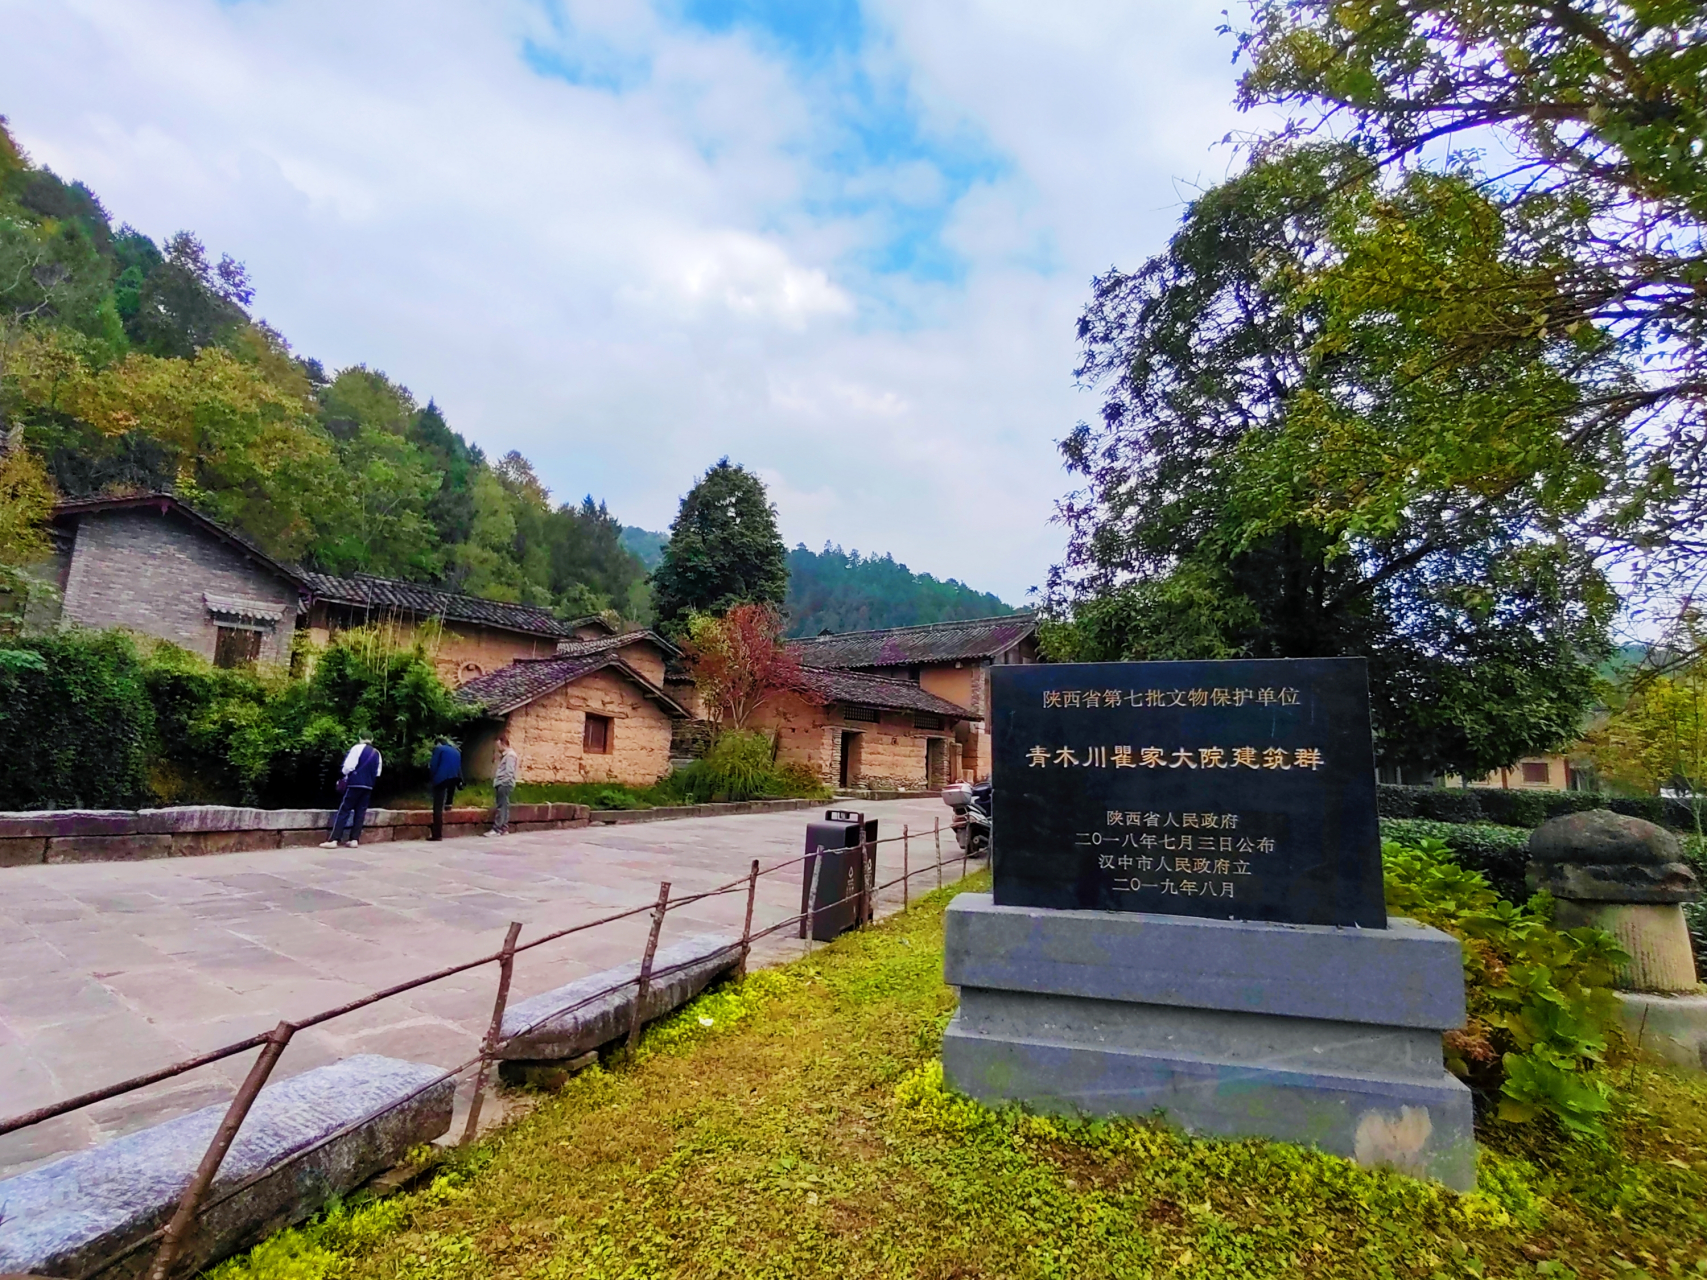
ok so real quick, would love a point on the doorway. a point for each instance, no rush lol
(936, 763)
(849, 773)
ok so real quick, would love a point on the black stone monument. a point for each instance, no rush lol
(1240, 790)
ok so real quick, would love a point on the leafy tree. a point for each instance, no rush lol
(451, 509)
(740, 663)
(1656, 733)
(187, 303)
(587, 552)
(484, 564)
(724, 549)
(1269, 478)
(1589, 125)
(361, 397)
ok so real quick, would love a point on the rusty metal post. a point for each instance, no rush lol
(506, 966)
(747, 928)
(646, 964)
(936, 830)
(810, 921)
(906, 862)
(184, 1219)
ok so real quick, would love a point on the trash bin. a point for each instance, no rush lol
(844, 843)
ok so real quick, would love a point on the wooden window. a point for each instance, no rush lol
(924, 720)
(1537, 771)
(862, 715)
(236, 647)
(595, 735)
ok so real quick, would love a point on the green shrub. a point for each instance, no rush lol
(76, 724)
(1667, 811)
(192, 761)
(1539, 999)
(739, 766)
(1450, 804)
(1394, 801)
(1521, 807)
(1514, 808)
(1500, 854)
(87, 721)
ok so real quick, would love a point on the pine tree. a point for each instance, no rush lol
(724, 550)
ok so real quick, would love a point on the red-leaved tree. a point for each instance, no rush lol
(740, 663)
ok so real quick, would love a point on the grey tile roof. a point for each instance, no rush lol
(969, 640)
(864, 690)
(527, 679)
(610, 644)
(388, 594)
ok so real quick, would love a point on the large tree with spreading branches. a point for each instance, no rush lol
(1271, 477)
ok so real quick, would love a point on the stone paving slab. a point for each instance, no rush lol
(111, 969)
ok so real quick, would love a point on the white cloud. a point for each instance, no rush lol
(685, 256)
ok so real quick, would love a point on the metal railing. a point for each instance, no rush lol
(273, 1043)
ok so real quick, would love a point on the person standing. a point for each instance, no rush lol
(503, 782)
(362, 767)
(445, 775)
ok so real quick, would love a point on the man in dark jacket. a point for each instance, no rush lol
(361, 770)
(445, 770)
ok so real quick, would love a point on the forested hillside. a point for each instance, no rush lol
(129, 365)
(645, 544)
(845, 591)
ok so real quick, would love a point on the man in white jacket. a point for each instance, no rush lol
(362, 767)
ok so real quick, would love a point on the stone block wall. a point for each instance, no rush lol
(124, 835)
(149, 571)
(547, 734)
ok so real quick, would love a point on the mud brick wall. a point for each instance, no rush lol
(547, 734)
(812, 735)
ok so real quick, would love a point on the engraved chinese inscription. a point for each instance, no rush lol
(1241, 790)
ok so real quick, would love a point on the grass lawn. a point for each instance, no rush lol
(795, 1125)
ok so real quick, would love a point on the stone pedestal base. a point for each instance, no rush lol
(1653, 933)
(1301, 1033)
(1672, 1026)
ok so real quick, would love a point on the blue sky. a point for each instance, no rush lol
(843, 243)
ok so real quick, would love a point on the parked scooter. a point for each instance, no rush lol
(972, 813)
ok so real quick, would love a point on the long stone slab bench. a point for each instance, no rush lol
(307, 1140)
(123, 835)
(576, 1019)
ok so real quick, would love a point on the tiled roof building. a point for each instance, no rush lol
(473, 636)
(971, 640)
(594, 711)
(365, 593)
(950, 660)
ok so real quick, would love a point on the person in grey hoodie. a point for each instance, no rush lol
(503, 782)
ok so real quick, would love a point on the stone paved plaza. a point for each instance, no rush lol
(108, 970)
